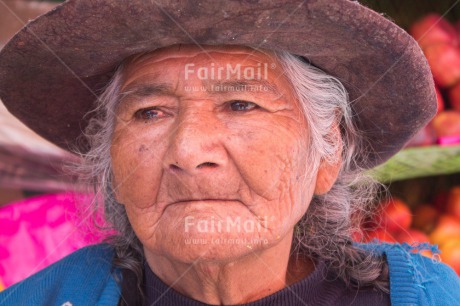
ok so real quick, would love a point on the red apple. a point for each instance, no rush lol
(412, 236)
(382, 235)
(448, 228)
(453, 202)
(447, 123)
(439, 99)
(396, 215)
(425, 218)
(432, 29)
(450, 254)
(457, 28)
(454, 96)
(444, 60)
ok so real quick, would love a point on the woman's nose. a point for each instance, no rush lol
(195, 144)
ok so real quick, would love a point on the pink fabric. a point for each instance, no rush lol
(38, 231)
(449, 140)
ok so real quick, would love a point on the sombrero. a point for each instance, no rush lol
(53, 69)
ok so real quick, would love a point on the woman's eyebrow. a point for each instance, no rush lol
(255, 86)
(146, 90)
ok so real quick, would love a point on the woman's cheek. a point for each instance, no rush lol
(129, 168)
(121, 163)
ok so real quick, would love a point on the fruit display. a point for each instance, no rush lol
(424, 177)
(440, 42)
(435, 223)
(435, 149)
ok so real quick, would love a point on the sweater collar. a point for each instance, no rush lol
(295, 294)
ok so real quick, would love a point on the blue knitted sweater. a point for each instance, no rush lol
(86, 278)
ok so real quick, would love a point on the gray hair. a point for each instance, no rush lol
(327, 228)
(324, 232)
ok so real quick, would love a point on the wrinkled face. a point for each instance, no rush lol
(208, 158)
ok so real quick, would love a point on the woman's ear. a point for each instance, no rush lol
(327, 175)
(328, 172)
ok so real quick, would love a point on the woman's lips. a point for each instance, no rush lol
(206, 201)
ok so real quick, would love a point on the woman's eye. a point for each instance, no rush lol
(150, 113)
(242, 106)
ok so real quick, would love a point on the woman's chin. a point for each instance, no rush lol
(187, 233)
(215, 246)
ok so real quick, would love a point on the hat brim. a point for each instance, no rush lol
(52, 70)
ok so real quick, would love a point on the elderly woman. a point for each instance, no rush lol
(230, 167)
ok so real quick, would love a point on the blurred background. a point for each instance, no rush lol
(38, 202)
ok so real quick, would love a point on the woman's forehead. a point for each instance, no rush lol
(190, 55)
(206, 64)
(191, 51)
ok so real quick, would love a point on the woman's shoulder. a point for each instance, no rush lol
(439, 283)
(77, 279)
(417, 279)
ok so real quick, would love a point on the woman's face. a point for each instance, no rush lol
(208, 152)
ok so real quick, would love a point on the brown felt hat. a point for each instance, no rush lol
(52, 70)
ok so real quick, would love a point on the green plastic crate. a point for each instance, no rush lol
(419, 162)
